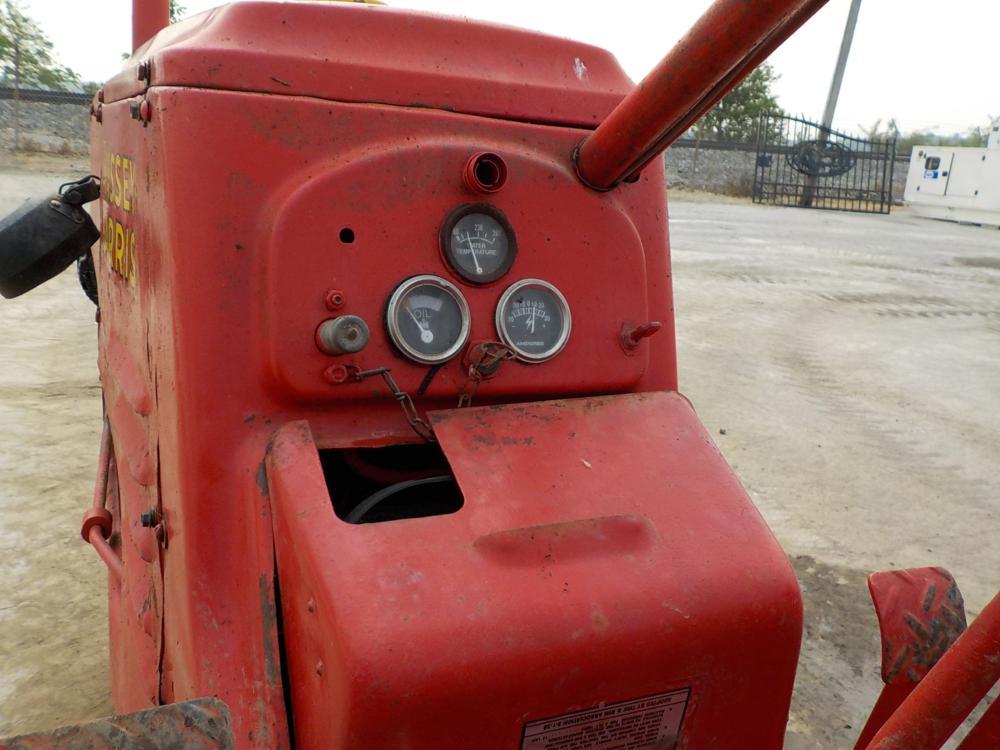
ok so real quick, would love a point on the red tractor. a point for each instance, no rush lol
(393, 456)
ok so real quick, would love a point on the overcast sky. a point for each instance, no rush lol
(929, 65)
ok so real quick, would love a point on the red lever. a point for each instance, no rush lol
(632, 335)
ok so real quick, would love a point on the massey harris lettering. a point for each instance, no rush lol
(118, 192)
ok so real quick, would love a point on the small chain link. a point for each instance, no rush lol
(418, 423)
(485, 360)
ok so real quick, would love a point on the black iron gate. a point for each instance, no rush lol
(800, 163)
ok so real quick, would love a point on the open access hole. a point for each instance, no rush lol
(373, 485)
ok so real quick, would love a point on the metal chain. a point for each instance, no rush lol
(485, 360)
(413, 418)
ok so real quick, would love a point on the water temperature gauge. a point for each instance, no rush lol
(478, 242)
(533, 319)
(428, 319)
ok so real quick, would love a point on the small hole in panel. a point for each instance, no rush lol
(487, 172)
(347, 235)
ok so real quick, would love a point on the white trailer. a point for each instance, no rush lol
(959, 184)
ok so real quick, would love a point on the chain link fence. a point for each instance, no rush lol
(38, 121)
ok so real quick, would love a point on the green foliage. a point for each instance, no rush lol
(879, 131)
(176, 11)
(974, 137)
(735, 117)
(26, 59)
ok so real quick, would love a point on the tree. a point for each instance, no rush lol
(176, 11)
(880, 132)
(735, 117)
(26, 59)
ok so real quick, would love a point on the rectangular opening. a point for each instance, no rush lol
(932, 162)
(374, 485)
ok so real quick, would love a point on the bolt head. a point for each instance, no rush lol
(335, 374)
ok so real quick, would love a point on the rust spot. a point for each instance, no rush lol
(598, 620)
(269, 621)
(262, 480)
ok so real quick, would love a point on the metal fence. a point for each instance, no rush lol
(801, 163)
(40, 121)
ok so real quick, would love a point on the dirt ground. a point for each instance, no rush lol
(848, 365)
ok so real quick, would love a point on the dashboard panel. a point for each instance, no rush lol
(435, 269)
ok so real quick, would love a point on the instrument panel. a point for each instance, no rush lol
(417, 282)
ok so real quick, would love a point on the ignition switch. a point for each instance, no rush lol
(346, 334)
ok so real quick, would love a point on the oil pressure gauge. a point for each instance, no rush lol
(428, 319)
(533, 319)
(478, 242)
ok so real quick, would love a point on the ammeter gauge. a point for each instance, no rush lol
(533, 319)
(428, 319)
(478, 242)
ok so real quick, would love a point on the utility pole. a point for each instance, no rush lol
(838, 72)
(17, 89)
(831, 99)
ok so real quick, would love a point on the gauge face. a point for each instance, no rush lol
(428, 319)
(533, 319)
(478, 243)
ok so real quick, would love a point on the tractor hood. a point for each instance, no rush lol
(352, 52)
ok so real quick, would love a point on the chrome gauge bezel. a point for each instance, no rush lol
(392, 322)
(506, 338)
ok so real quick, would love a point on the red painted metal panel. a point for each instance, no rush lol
(727, 42)
(337, 51)
(563, 583)
(196, 310)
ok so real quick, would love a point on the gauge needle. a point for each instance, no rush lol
(426, 334)
(531, 322)
(468, 238)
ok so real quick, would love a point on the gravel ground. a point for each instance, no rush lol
(849, 366)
